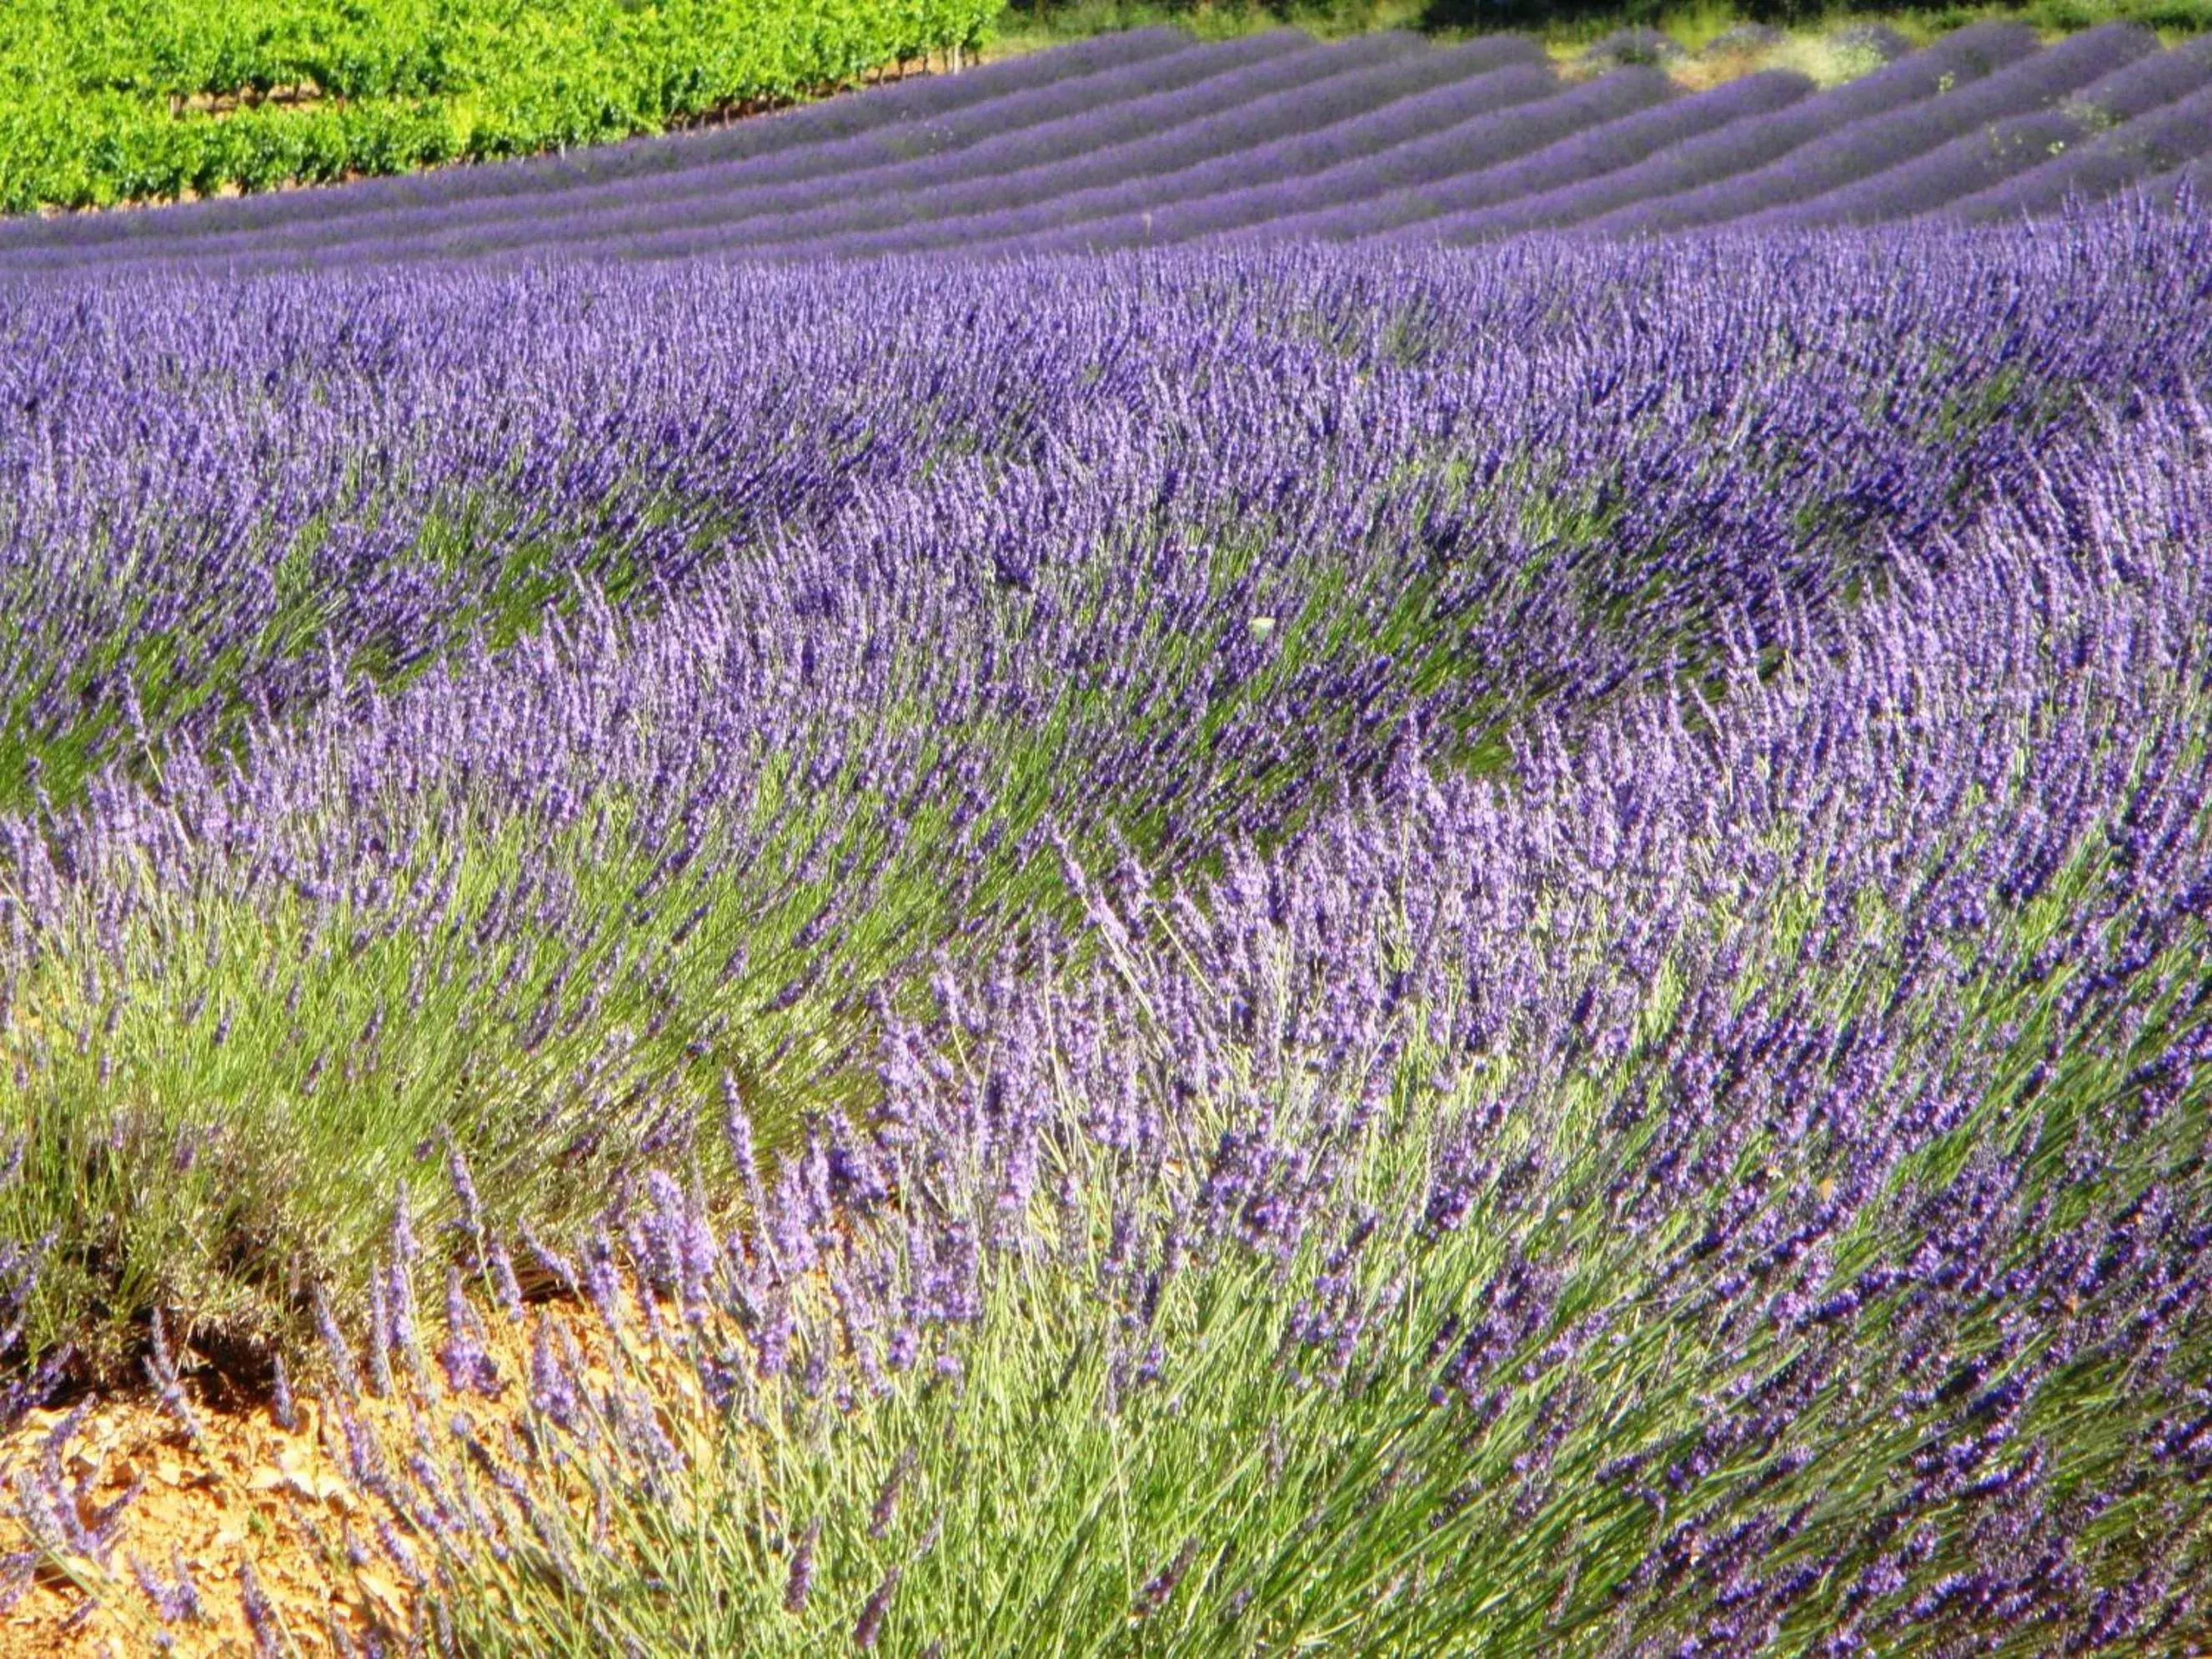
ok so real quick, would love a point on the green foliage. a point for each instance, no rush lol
(146, 99)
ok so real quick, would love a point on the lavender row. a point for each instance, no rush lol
(1366, 70)
(1958, 56)
(1707, 163)
(308, 533)
(1871, 145)
(217, 507)
(1394, 100)
(1611, 142)
(1276, 137)
(224, 502)
(1976, 160)
(2099, 165)
(1860, 121)
(727, 202)
(1187, 204)
(795, 174)
(1856, 145)
(1738, 1184)
(1867, 125)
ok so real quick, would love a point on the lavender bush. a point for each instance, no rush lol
(1238, 949)
(1537, 1215)
(1736, 1184)
(1869, 149)
(544, 892)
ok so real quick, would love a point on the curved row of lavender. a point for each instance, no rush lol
(318, 478)
(1153, 138)
(1731, 1180)
(494, 709)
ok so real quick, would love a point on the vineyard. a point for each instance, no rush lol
(108, 101)
(761, 894)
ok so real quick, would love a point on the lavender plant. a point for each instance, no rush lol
(1251, 949)
(1876, 144)
(2100, 166)
(546, 896)
(1736, 1183)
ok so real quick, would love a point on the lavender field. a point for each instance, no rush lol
(1151, 138)
(1256, 947)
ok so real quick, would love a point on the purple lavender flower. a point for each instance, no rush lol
(800, 1580)
(261, 1615)
(870, 1624)
(1160, 1588)
(176, 1602)
(281, 1404)
(461, 1355)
